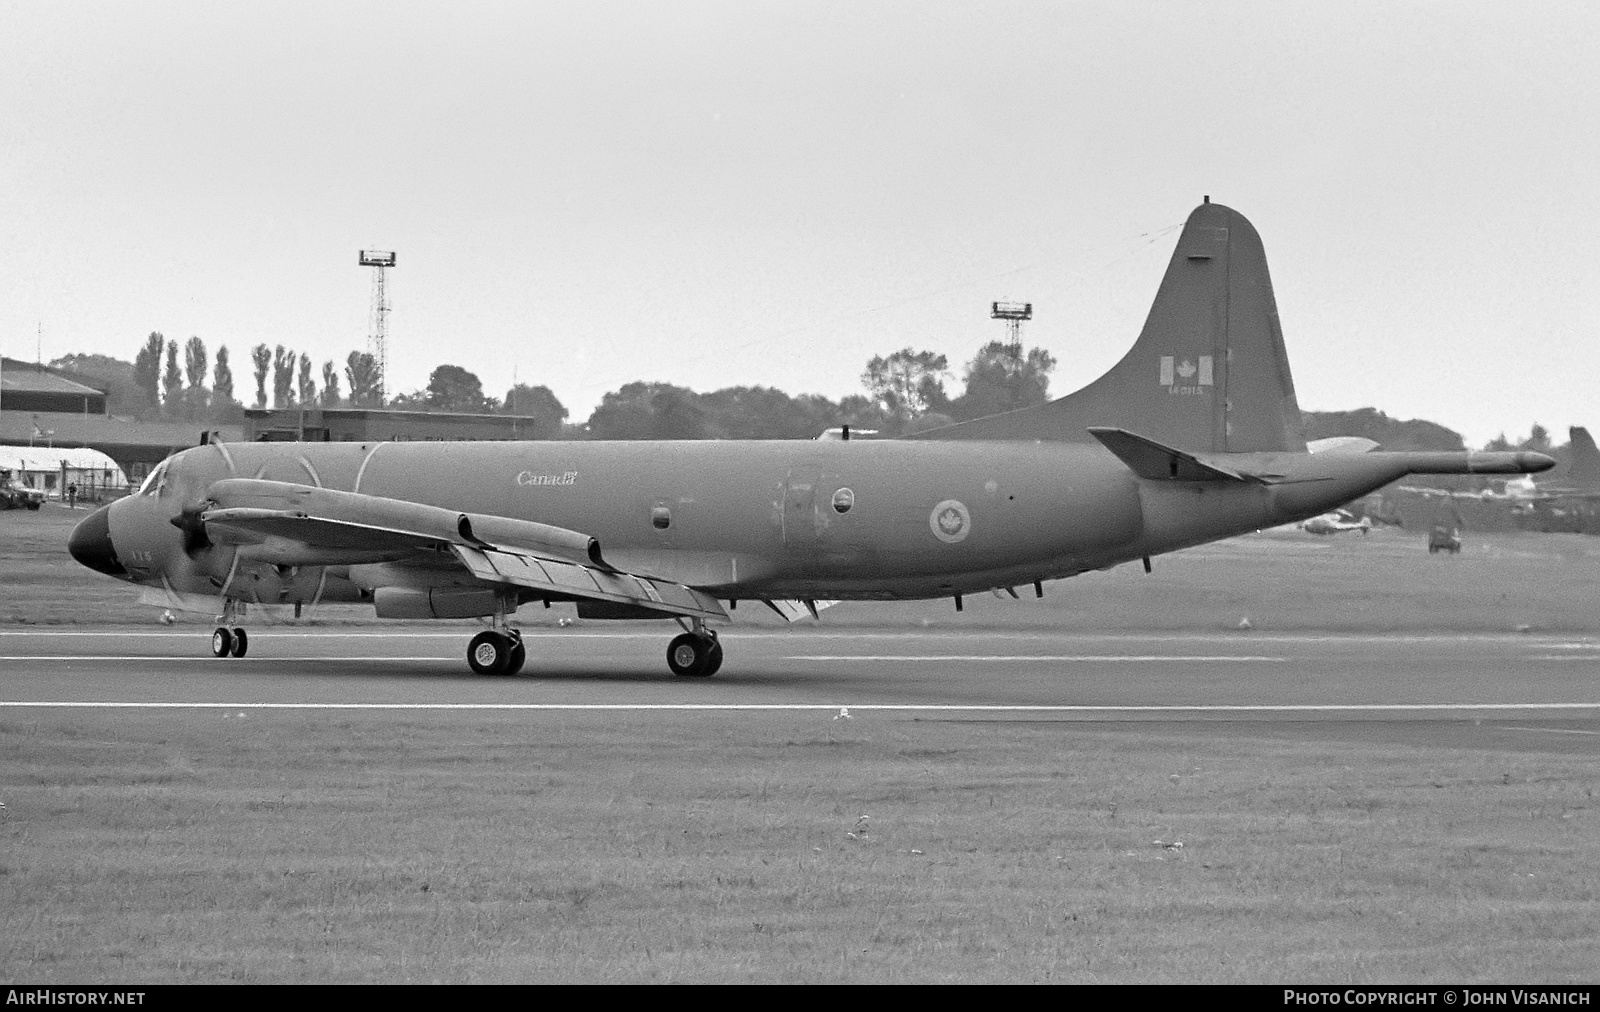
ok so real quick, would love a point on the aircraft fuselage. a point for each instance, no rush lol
(864, 519)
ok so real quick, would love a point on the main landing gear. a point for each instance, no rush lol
(498, 650)
(695, 654)
(227, 642)
(493, 652)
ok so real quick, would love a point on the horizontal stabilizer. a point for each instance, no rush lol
(1149, 459)
(1342, 445)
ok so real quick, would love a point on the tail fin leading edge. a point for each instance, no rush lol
(1208, 373)
(1585, 469)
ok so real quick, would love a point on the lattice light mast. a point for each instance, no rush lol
(378, 326)
(1013, 313)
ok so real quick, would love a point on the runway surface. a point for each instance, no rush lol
(1200, 676)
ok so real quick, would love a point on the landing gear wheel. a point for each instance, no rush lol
(519, 655)
(241, 642)
(489, 653)
(691, 656)
(221, 642)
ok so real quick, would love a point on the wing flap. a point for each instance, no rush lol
(794, 611)
(563, 578)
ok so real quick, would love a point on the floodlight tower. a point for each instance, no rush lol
(378, 327)
(1013, 313)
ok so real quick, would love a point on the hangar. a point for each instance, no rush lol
(46, 409)
(52, 469)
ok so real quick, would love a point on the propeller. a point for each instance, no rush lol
(190, 522)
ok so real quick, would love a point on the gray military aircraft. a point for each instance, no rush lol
(1192, 437)
(1336, 522)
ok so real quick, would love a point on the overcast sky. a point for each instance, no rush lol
(709, 194)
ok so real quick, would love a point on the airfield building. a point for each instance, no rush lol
(376, 425)
(44, 412)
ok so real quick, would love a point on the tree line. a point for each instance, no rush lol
(187, 383)
(906, 392)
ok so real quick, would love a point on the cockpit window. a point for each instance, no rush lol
(152, 484)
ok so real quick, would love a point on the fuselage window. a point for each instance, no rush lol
(660, 517)
(843, 500)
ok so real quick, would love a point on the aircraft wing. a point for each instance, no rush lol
(285, 537)
(286, 524)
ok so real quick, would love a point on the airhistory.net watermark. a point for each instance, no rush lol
(43, 996)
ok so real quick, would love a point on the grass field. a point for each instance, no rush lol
(210, 847)
(303, 847)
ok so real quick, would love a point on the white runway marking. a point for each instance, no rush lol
(808, 633)
(1551, 730)
(130, 658)
(1361, 708)
(1241, 658)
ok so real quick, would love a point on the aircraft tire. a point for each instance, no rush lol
(518, 657)
(489, 653)
(689, 656)
(714, 660)
(241, 642)
(221, 642)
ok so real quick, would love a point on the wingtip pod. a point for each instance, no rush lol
(1208, 373)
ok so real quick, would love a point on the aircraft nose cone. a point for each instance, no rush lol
(91, 544)
(1533, 463)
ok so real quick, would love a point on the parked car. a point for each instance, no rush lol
(1444, 538)
(14, 495)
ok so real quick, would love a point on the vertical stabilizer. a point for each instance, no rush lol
(1208, 373)
(1584, 471)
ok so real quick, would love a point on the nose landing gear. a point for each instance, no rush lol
(227, 642)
